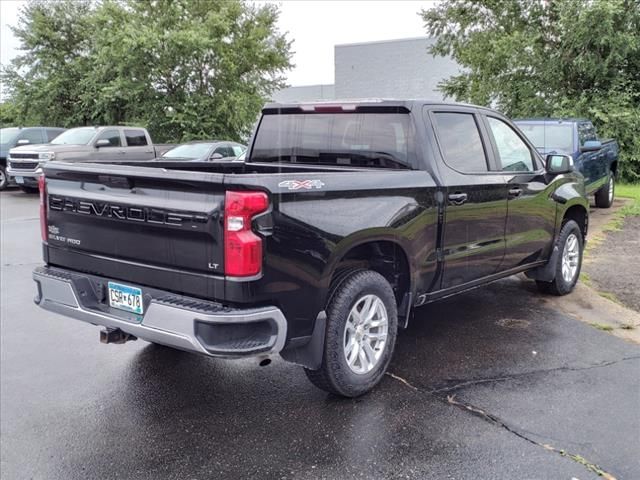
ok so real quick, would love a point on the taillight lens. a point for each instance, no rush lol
(242, 247)
(42, 186)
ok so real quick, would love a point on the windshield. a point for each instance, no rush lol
(549, 137)
(75, 136)
(351, 139)
(190, 150)
(8, 135)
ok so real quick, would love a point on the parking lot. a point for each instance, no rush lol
(491, 384)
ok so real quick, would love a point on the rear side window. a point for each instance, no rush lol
(135, 138)
(460, 142)
(378, 140)
(586, 132)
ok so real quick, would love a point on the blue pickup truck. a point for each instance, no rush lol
(595, 159)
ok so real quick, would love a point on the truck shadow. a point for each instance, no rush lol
(240, 420)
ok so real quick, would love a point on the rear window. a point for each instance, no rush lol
(135, 138)
(549, 137)
(381, 140)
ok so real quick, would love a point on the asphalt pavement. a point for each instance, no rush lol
(493, 384)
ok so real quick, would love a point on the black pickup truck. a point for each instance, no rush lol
(342, 220)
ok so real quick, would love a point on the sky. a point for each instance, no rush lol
(315, 26)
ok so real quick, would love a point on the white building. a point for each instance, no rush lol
(385, 69)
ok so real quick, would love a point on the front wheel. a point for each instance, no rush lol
(362, 323)
(568, 261)
(4, 180)
(604, 196)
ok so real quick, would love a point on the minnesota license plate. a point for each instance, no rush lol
(19, 180)
(126, 298)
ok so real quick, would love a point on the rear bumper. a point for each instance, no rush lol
(172, 320)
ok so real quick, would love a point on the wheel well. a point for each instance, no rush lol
(614, 168)
(578, 214)
(385, 257)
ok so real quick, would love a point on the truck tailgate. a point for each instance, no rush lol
(147, 226)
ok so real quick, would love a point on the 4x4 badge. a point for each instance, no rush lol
(301, 184)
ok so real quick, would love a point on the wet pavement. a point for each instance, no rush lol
(491, 384)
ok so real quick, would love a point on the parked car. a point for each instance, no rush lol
(596, 159)
(204, 151)
(341, 221)
(15, 136)
(98, 144)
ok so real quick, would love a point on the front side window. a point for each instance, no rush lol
(188, 151)
(34, 136)
(113, 136)
(514, 154)
(460, 142)
(135, 138)
(225, 151)
(371, 139)
(238, 150)
(53, 133)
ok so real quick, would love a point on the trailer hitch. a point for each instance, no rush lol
(115, 335)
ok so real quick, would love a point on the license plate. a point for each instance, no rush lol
(126, 298)
(19, 180)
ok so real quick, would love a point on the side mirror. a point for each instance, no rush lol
(591, 146)
(216, 156)
(102, 143)
(557, 164)
(23, 141)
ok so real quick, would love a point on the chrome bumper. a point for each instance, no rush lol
(31, 173)
(172, 320)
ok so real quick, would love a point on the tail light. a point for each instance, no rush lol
(42, 186)
(242, 247)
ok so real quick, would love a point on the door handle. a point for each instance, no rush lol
(515, 192)
(457, 198)
(121, 152)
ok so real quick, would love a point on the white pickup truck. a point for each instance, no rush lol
(110, 144)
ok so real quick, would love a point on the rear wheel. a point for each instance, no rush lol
(568, 262)
(362, 322)
(605, 196)
(29, 189)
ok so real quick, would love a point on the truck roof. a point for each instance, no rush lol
(364, 102)
(551, 120)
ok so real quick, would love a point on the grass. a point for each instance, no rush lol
(629, 191)
(609, 296)
(600, 326)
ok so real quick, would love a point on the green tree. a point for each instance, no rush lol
(184, 68)
(547, 58)
(44, 82)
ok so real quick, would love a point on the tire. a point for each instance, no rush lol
(563, 283)
(370, 354)
(30, 190)
(605, 196)
(4, 180)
